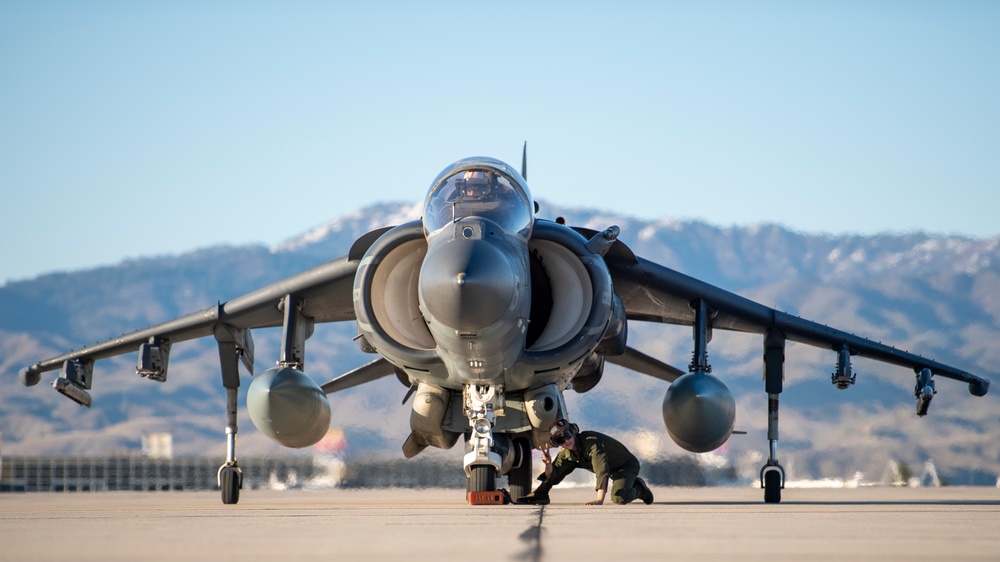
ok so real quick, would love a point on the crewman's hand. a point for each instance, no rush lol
(601, 492)
(547, 461)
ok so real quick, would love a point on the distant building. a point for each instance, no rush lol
(158, 445)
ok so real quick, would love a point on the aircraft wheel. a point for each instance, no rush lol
(520, 477)
(483, 479)
(230, 480)
(772, 486)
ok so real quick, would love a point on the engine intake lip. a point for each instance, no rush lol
(364, 302)
(589, 336)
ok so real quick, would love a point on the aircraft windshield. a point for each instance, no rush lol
(489, 190)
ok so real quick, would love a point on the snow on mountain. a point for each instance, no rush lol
(353, 225)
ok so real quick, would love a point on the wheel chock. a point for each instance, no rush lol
(486, 498)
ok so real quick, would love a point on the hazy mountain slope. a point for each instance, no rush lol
(938, 296)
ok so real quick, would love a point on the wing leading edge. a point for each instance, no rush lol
(324, 294)
(656, 293)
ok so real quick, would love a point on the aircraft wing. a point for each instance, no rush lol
(324, 294)
(652, 292)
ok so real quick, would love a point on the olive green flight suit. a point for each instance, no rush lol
(602, 455)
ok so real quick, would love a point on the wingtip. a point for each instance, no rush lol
(29, 376)
(979, 387)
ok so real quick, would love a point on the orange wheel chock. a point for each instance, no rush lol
(485, 498)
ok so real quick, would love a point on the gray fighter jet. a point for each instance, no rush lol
(488, 315)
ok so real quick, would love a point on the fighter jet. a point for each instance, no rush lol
(488, 315)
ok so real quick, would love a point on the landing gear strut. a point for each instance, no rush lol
(772, 474)
(232, 345)
(482, 462)
(230, 476)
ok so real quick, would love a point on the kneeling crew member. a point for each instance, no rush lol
(598, 453)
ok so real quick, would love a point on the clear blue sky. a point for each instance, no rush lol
(141, 128)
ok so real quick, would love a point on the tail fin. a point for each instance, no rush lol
(524, 169)
(524, 161)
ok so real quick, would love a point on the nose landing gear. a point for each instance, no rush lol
(482, 462)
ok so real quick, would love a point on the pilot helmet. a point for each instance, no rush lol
(476, 184)
(562, 431)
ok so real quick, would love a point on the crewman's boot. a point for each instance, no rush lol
(644, 493)
(535, 498)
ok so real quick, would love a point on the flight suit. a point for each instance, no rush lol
(602, 455)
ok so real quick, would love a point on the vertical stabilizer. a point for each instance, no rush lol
(524, 161)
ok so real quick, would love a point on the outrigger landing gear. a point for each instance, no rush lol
(230, 476)
(772, 474)
(234, 345)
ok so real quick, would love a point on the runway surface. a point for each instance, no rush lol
(950, 523)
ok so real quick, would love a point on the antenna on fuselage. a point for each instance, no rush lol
(524, 161)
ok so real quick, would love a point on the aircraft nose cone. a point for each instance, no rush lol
(467, 285)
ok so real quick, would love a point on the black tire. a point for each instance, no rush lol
(519, 477)
(230, 480)
(483, 479)
(772, 486)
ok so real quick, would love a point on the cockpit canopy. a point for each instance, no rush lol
(480, 187)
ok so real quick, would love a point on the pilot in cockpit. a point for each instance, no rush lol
(478, 192)
(476, 184)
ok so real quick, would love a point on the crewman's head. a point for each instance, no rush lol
(563, 433)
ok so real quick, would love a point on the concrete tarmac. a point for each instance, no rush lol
(951, 523)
